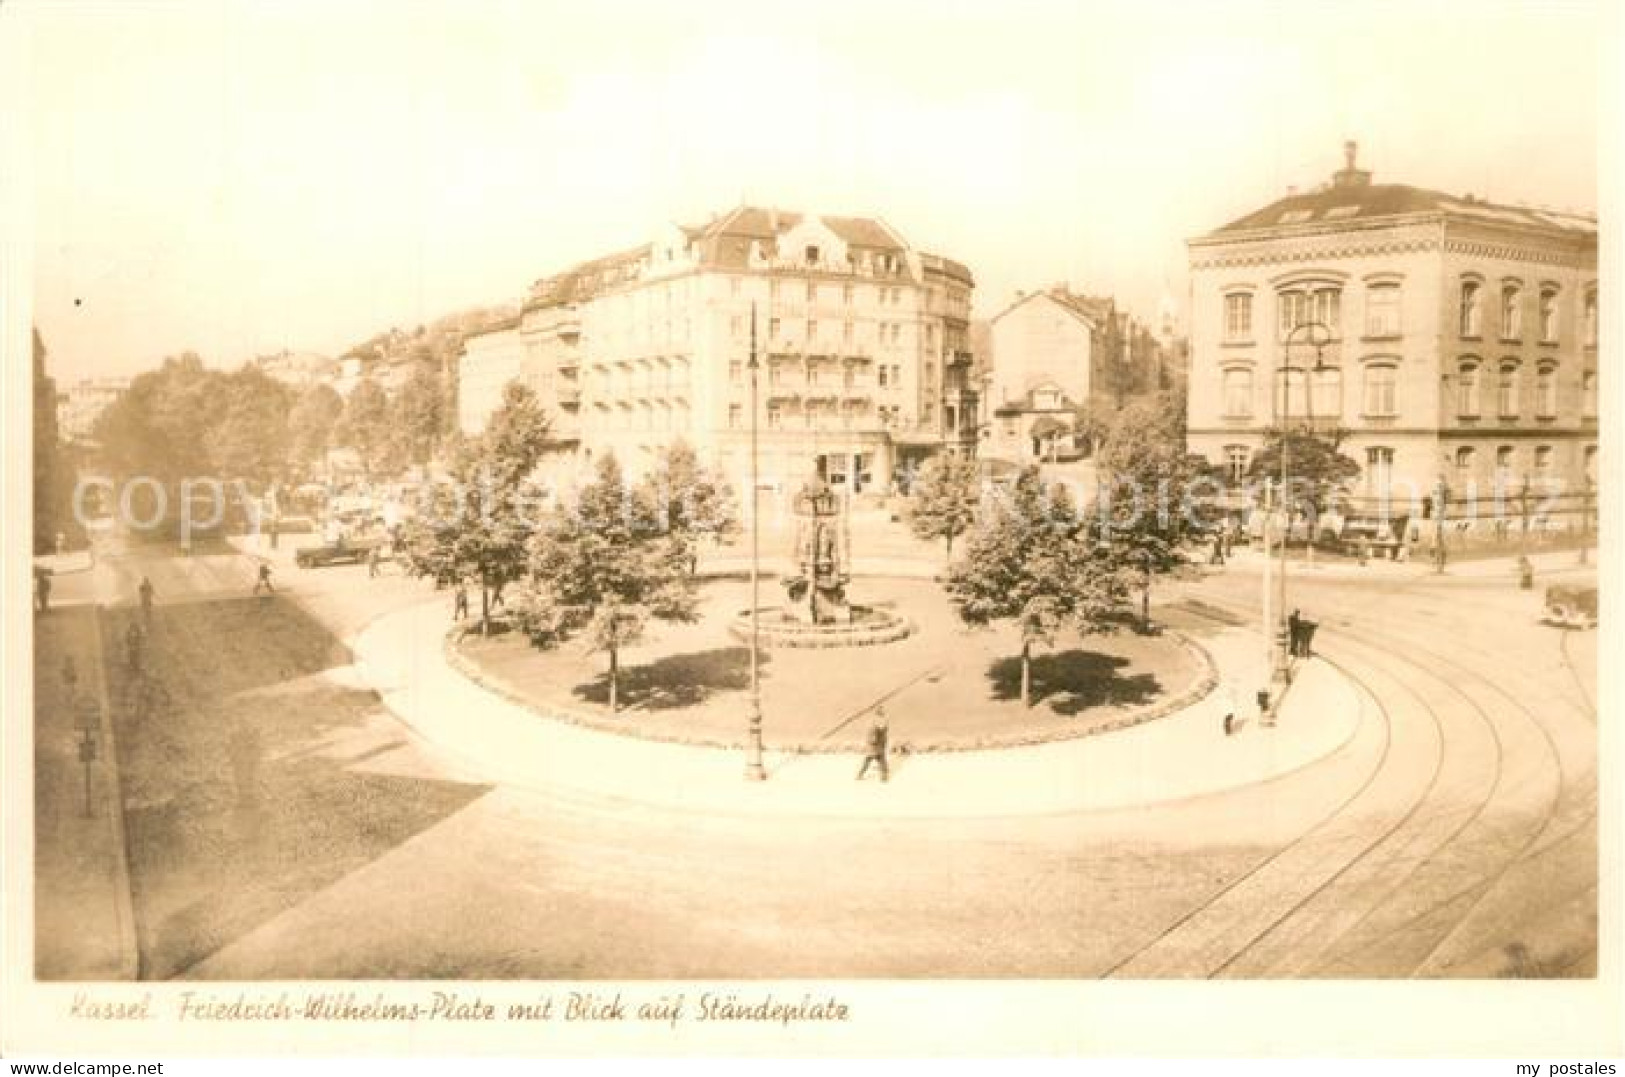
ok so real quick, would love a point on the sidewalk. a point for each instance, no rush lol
(1561, 563)
(84, 926)
(401, 655)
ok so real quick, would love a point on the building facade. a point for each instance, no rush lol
(490, 359)
(1451, 341)
(1051, 352)
(82, 403)
(861, 342)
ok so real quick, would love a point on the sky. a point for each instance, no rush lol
(239, 178)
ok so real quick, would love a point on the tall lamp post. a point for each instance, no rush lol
(1317, 335)
(754, 771)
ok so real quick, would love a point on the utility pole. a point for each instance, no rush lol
(1441, 498)
(754, 770)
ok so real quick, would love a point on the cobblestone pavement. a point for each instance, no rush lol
(1453, 836)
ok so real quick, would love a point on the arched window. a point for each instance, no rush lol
(1506, 391)
(1466, 462)
(1469, 391)
(1591, 464)
(1545, 457)
(1506, 463)
(1548, 314)
(1472, 314)
(1238, 393)
(1309, 303)
(1588, 394)
(1511, 312)
(1546, 391)
(1381, 382)
(1591, 318)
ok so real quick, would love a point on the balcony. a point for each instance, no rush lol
(958, 357)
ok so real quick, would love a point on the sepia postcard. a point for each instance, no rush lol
(857, 529)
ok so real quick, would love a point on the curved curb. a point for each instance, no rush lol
(1206, 681)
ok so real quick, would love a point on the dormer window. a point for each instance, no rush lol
(812, 254)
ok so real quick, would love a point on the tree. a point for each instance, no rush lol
(1033, 560)
(517, 435)
(690, 500)
(605, 566)
(249, 439)
(478, 525)
(1316, 468)
(313, 421)
(419, 409)
(944, 500)
(1155, 497)
(366, 426)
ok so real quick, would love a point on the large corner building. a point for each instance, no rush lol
(1460, 341)
(861, 339)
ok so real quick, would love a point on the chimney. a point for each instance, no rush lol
(1348, 175)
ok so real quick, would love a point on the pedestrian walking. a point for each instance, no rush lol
(145, 590)
(877, 748)
(1526, 572)
(459, 603)
(42, 590)
(374, 556)
(1218, 550)
(1294, 634)
(132, 647)
(263, 580)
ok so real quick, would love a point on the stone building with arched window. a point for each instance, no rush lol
(1454, 340)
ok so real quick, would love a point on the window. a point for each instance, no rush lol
(1511, 312)
(1544, 458)
(1591, 318)
(1382, 310)
(1380, 388)
(1238, 316)
(812, 289)
(1472, 316)
(1591, 465)
(1506, 393)
(1468, 393)
(1588, 394)
(1379, 470)
(812, 330)
(1326, 393)
(1235, 463)
(1548, 315)
(812, 259)
(1294, 387)
(736, 371)
(736, 415)
(1546, 391)
(883, 381)
(734, 284)
(773, 328)
(1506, 462)
(846, 294)
(846, 331)
(775, 416)
(1317, 305)
(1238, 393)
(773, 289)
(1466, 461)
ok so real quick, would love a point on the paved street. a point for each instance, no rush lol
(1453, 835)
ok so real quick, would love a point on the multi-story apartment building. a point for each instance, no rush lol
(861, 343)
(491, 358)
(1455, 341)
(1051, 352)
(82, 403)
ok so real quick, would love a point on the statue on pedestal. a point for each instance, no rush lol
(821, 557)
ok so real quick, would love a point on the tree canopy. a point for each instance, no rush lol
(944, 500)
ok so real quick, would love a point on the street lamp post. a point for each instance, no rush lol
(754, 771)
(1318, 335)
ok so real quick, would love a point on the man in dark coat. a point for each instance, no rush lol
(1294, 634)
(877, 748)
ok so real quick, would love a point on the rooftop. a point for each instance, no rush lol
(1351, 196)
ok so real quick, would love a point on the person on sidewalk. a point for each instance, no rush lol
(373, 558)
(1526, 572)
(145, 591)
(877, 748)
(459, 603)
(1218, 550)
(1294, 634)
(263, 580)
(132, 647)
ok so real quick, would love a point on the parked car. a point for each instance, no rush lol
(340, 552)
(1571, 606)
